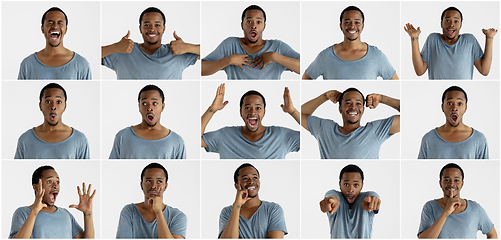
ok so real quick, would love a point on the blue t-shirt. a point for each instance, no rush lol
(273, 70)
(128, 145)
(433, 146)
(351, 223)
(30, 146)
(159, 65)
(451, 61)
(59, 224)
(268, 217)
(363, 143)
(461, 225)
(133, 225)
(374, 64)
(76, 69)
(231, 144)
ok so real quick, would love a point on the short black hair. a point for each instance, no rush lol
(351, 8)
(37, 174)
(54, 9)
(352, 89)
(155, 165)
(454, 88)
(251, 92)
(151, 9)
(253, 7)
(235, 175)
(350, 169)
(53, 85)
(451, 165)
(449, 9)
(148, 88)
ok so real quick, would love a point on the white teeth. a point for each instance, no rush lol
(352, 32)
(251, 188)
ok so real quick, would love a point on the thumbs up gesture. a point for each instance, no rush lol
(125, 45)
(178, 46)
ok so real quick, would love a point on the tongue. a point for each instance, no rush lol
(454, 118)
(52, 197)
(450, 32)
(252, 121)
(253, 34)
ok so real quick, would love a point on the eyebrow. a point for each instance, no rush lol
(353, 19)
(256, 17)
(51, 177)
(353, 100)
(147, 98)
(51, 96)
(451, 17)
(249, 174)
(353, 181)
(250, 104)
(456, 98)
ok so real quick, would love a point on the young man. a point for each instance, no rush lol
(352, 58)
(454, 140)
(151, 59)
(252, 140)
(452, 216)
(152, 218)
(149, 139)
(251, 57)
(249, 217)
(450, 55)
(350, 212)
(54, 61)
(43, 219)
(53, 139)
(350, 140)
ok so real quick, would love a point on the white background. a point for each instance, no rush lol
(320, 28)
(422, 112)
(21, 112)
(122, 186)
(420, 183)
(272, 91)
(310, 90)
(22, 34)
(280, 183)
(16, 181)
(181, 115)
(319, 176)
(221, 20)
(476, 15)
(120, 16)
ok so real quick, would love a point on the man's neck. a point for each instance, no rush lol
(49, 209)
(52, 51)
(253, 136)
(46, 127)
(352, 45)
(349, 127)
(449, 41)
(254, 202)
(450, 129)
(144, 205)
(149, 48)
(247, 43)
(144, 126)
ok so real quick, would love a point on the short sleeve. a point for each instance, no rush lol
(84, 152)
(181, 152)
(178, 224)
(333, 192)
(314, 124)
(223, 219)
(425, 51)
(211, 139)
(277, 220)
(86, 73)
(219, 52)
(292, 139)
(423, 150)
(19, 149)
(287, 51)
(115, 151)
(109, 61)
(386, 71)
(485, 225)
(22, 75)
(124, 229)
(18, 219)
(75, 227)
(476, 49)
(382, 128)
(483, 149)
(315, 69)
(426, 218)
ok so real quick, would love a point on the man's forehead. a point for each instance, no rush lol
(54, 15)
(255, 99)
(452, 14)
(352, 95)
(451, 173)
(254, 13)
(454, 95)
(354, 14)
(351, 176)
(152, 17)
(49, 173)
(53, 92)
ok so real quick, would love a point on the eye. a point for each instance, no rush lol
(144, 104)
(159, 181)
(346, 184)
(449, 103)
(258, 108)
(357, 22)
(155, 103)
(460, 104)
(148, 181)
(246, 108)
(356, 184)
(245, 179)
(50, 181)
(59, 102)
(258, 22)
(248, 21)
(47, 101)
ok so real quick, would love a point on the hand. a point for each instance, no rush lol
(125, 45)
(413, 33)
(85, 204)
(239, 60)
(329, 204)
(38, 204)
(371, 203)
(218, 103)
(156, 204)
(263, 60)
(178, 46)
(373, 100)
(287, 106)
(333, 95)
(491, 32)
(453, 203)
(242, 196)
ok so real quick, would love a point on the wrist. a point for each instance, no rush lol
(294, 110)
(489, 37)
(87, 214)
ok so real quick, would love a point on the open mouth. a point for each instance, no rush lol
(252, 122)
(52, 116)
(454, 118)
(253, 34)
(353, 114)
(53, 196)
(352, 31)
(151, 35)
(150, 117)
(54, 35)
(451, 31)
(350, 198)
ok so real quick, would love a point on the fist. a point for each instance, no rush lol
(371, 203)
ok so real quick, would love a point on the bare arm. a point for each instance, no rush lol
(125, 45)
(27, 228)
(395, 77)
(420, 66)
(373, 101)
(85, 206)
(276, 234)
(216, 105)
(288, 107)
(269, 57)
(483, 64)
(178, 46)
(211, 67)
(231, 229)
(309, 107)
(492, 234)
(436, 227)
(306, 77)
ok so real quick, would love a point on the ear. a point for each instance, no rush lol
(462, 184)
(40, 105)
(339, 184)
(166, 184)
(164, 29)
(361, 186)
(264, 26)
(442, 107)
(440, 183)
(41, 27)
(465, 107)
(236, 186)
(340, 26)
(264, 112)
(65, 104)
(163, 106)
(340, 108)
(35, 187)
(141, 184)
(242, 25)
(139, 30)
(363, 25)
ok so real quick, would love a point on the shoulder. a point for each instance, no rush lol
(373, 49)
(226, 210)
(175, 212)
(332, 192)
(28, 134)
(64, 211)
(22, 211)
(473, 205)
(468, 36)
(77, 133)
(272, 206)
(369, 193)
(327, 51)
(231, 40)
(430, 134)
(175, 135)
(125, 131)
(430, 204)
(80, 59)
(381, 121)
(30, 58)
(479, 135)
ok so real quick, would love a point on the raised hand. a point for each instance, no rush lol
(453, 202)
(329, 204)
(178, 46)
(491, 32)
(333, 95)
(373, 100)
(38, 204)
(413, 33)
(85, 204)
(219, 103)
(287, 107)
(263, 60)
(242, 196)
(240, 60)
(371, 203)
(125, 45)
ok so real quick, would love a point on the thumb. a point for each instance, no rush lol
(281, 105)
(419, 28)
(73, 206)
(176, 36)
(128, 35)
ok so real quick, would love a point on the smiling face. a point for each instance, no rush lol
(351, 184)
(454, 106)
(248, 178)
(451, 24)
(351, 107)
(451, 181)
(50, 182)
(252, 112)
(253, 25)
(352, 25)
(151, 107)
(154, 182)
(54, 28)
(152, 27)
(53, 105)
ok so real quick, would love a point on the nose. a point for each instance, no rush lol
(53, 107)
(351, 189)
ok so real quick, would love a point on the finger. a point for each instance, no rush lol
(378, 204)
(333, 208)
(239, 187)
(41, 194)
(452, 194)
(127, 35)
(40, 186)
(93, 193)
(88, 190)
(241, 67)
(222, 89)
(78, 191)
(84, 189)
(225, 102)
(264, 65)
(369, 101)
(73, 206)
(176, 36)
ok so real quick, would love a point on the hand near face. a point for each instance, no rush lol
(373, 100)
(85, 204)
(242, 196)
(413, 33)
(371, 203)
(329, 204)
(125, 45)
(156, 204)
(287, 107)
(333, 95)
(452, 203)
(178, 46)
(239, 60)
(491, 32)
(219, 103)
(38, 204)
(263, 60)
